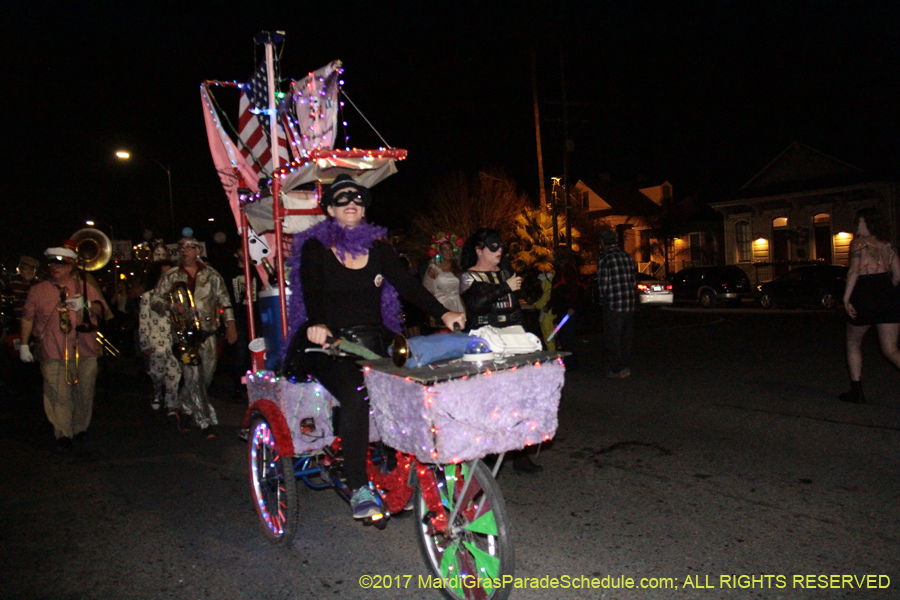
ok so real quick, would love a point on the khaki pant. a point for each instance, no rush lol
(69, 407)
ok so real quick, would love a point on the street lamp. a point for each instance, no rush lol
(125, 155)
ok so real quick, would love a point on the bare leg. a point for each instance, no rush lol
(854, 353)
(887, 336)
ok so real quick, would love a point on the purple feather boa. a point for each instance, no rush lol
(354, 242)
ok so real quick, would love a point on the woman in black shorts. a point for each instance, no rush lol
(871, 296)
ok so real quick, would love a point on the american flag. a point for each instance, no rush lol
(253, 129)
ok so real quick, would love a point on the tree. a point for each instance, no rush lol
(677, 218)
(461, 204)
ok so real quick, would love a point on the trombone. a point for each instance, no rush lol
(107, 345)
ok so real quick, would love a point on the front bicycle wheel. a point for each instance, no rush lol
(475, 553)
(272, 484)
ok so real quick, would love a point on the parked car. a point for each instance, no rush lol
(816, 285)
(711, 285)
(649, 290)
(653, 291)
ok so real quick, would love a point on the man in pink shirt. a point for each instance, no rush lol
(53, 313)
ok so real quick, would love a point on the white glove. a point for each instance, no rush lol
(25, 353)
(76, 303)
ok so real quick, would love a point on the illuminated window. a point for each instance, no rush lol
(743, 243)
(779, 222)
(822, 241)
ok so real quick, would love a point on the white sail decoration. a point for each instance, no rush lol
(316, 107)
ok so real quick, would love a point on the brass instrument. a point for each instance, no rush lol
(107, 345)
(187, 337)
(400, 350)
(93, 248)
(65, 325)
(94, 251)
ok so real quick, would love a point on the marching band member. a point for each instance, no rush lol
(53, 311)
(155, 342)
(209, 296)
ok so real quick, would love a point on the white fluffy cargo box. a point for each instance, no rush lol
(467, 417)
(306, 408)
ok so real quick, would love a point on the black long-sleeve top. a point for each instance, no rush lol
(338, 297)
(489, 299)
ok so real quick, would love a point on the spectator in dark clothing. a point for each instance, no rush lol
(564, 301)
(616, 273)
(20, 283)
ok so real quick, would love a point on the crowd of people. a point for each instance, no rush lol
(348, 282)
(57, 322)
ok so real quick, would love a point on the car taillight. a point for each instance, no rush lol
(642, 287)
(669, 287)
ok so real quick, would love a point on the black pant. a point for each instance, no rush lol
(618, 330)
(344, 380)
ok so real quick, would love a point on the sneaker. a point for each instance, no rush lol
(155, 404)
(365, 504)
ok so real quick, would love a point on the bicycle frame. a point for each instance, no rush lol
(397, 486)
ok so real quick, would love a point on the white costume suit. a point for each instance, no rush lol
(154, 337)
(210, 295)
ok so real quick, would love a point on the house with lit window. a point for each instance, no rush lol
(635, 211)
(800, 209)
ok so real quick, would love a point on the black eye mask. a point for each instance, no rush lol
(348, 196)
(493, 243)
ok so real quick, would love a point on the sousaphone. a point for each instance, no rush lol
(93, 248)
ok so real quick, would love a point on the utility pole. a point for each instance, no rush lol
(553, 218)
(568, 146)
(537, 131)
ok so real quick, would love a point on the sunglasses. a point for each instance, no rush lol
(345, 198)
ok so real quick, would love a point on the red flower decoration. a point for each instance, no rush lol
(460, 242)
(432, 252)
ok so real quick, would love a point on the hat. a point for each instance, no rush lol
(27, 261)
(344, 182)
(60, 255)
(608, 236)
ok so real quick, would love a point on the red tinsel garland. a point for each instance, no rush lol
(394, 486)
(277, 424)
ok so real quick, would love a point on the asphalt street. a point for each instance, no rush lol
(724, 467)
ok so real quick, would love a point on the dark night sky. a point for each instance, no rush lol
(701, 94)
